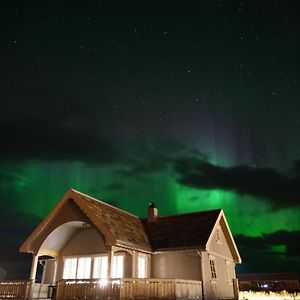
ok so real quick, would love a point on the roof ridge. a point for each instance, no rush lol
(190, 213)
(104, 203)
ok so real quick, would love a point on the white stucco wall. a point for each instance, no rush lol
(181, 265)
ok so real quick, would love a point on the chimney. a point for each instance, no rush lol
(152, 213)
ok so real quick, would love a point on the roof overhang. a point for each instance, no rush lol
(56, 218)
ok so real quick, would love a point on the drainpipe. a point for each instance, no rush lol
(201, 270)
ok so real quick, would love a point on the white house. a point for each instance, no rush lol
(93, 250)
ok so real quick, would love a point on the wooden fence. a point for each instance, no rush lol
(14, 289)
(129, 289)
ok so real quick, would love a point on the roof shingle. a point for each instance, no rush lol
(182, 231)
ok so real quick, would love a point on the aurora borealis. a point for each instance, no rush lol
(192, 105)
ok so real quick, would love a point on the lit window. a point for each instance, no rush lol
(100, 267)
(141, 267)
(84, 268)
(118, 266)
(70, 266)
(213, 268)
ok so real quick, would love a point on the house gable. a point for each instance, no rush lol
(221, 241)
(116, 226)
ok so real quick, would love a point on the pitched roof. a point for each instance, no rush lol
(182, 231)
(117, 226)
(126, 228)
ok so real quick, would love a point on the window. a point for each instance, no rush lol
(79, 268)
(84, 268)
(118, 266)
(141, 267)
(212, 268)
(70, 267)
(100, 267)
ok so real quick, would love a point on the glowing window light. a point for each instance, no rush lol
(70, 266)
(84, 268)
(141, 267)
(100, 269)
(103, 282)
(118, 266)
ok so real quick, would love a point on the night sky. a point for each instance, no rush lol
(193, 105)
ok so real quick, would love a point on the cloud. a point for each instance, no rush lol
(143, 158)
(30, 136)
(274, 252)
(280, 190)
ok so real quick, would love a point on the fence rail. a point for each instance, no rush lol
(14, 289)
(108, 289)
(129, 289)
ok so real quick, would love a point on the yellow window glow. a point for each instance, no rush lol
(84, 268)
(70, 265)
(118, 266)
(100, 269)
(141, 267)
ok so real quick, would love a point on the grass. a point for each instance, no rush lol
(283, 295)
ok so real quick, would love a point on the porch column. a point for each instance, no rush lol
(55, 272)
(110, 262)
(133, 265)
(34, 264)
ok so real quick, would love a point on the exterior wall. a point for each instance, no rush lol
(219, 245)
(86, 241)
(219, 252)
(182, 265)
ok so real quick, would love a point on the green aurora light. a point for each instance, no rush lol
(42, 184)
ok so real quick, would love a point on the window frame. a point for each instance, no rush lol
(213, 269)
(77, 257)
(84, 271)
(65, 259)
(145, 271)
(100, 256)
(115, 255)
